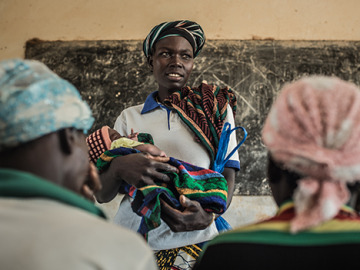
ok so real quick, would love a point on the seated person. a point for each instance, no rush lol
(47, 221)
(312, 136)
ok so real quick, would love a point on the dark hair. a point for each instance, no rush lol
(275, 171)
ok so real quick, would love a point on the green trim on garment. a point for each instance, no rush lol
(19, 184)
(285, 238)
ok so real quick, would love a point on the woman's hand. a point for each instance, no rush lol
(144, 169)
(92, 184)
(138, 170)
(193, 217)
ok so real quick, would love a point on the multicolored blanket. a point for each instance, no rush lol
(204, 109)
(207, 187)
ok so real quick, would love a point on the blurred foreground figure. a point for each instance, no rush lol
(312, 135)
(48, 220)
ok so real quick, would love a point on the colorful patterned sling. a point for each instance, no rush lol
(207, 187)
(204, 110)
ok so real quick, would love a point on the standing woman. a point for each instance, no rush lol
(186, 123)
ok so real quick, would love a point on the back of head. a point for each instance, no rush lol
(42, 118)
(35, 102)
(313, 129)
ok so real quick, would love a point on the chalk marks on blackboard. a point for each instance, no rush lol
(112, 75)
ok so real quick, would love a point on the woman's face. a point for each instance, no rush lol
(172, 62)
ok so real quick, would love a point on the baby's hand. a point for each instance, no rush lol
(133, 136)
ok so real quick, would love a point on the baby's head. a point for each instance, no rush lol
(100, 141)
(113, 135)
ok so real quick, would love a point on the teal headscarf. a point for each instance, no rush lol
(34, 101)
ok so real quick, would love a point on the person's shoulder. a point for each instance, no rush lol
(250, 231)
(132, 111)
(88, 225)
(79, 235)
(122, 244)
(134, 108)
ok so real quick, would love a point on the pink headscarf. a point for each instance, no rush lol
(313, 129)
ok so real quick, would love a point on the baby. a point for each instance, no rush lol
(105, 144)
(107, 138)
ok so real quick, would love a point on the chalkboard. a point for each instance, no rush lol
(113, 75)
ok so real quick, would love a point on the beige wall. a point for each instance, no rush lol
(21, 20)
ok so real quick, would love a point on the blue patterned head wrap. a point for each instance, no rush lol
(187, 29)
(34, 102)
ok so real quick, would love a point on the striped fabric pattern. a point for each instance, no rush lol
(185, 28)
(344, 228)
(178, 258)
(271, 244)
(204, 109)
(207, 187)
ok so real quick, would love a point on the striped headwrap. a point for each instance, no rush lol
(184, 28)
(313, 129)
